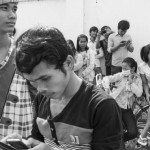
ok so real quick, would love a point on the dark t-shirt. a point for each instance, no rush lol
(91, 117)
(107, 55)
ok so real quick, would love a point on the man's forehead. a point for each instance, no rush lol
(8, 1)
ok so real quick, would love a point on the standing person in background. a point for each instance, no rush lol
(87, 70)
(98, 52)
(77, 56)
(92, 40)
(105, 32)
(119, 44)
(15, 99)
(144, 69)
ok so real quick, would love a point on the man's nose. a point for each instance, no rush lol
(12, 15)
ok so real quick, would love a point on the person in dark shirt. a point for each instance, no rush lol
(69, 113)
(105, 32)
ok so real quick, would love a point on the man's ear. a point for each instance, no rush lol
(69, 62)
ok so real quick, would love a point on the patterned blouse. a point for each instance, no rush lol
(87, 70)
(124, 93)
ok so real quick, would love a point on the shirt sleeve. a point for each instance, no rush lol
(108, 130)
(110, 43)
(140, 69)
(79, 62)
(35, 133)
(91, 64)
(130, 39)
(137, 87)
(110, 79)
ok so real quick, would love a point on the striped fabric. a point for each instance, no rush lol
(64, 146)
(20, 113)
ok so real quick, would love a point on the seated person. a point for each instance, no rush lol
(128, 84)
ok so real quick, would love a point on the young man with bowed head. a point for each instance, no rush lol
(70, 113)
(119, 44)
(15, 101)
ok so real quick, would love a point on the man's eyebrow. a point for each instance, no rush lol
(41, 77)
(5, 4)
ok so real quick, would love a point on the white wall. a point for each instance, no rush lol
(66, 15)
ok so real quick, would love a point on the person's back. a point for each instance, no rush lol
(15, 101)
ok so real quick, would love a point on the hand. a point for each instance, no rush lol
(128, 42)
(42, 146)
(11, 136)
(121, 44)
(130, 78)
(31, 142)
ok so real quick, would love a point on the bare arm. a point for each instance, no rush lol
(98, 41)
(101, 53)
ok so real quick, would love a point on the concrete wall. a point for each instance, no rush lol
(66, 15)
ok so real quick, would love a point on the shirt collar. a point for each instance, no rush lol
(92, 41)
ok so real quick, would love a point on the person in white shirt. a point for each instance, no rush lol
(98, 52)
(78, 59)
(119, 44)
(86, 72)
(128, 86)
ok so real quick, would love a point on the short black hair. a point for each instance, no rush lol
(94, 28)
(124, 25)
(104, 29)
(131, 62)
(41, 44)
(78, 39)
(145, 50)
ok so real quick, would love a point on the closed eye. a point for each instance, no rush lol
(45, 79)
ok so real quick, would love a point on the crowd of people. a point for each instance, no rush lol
(49, 97)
